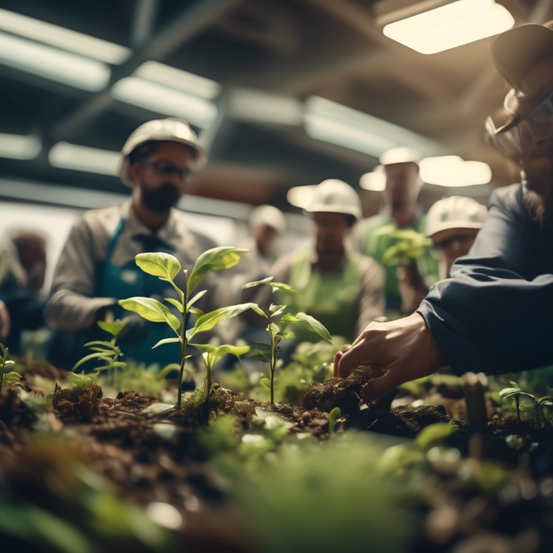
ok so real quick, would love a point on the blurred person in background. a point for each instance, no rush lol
(22, 271)
(97, 268)
(452, 224)
(494, 314)
(373, 236)
(341, 288)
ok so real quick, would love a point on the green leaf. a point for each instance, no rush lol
(174, 303)
(215, 259)
(197, 297)
(158, 408)
(435, 433)
(209, 320)
(257, 283)
(113, 327)
(166, 341)
(196, 311)
(334, 414)
(159, 264)
(151, 310)
(88, 358)
(315, 326)
(509, 392)
(280, 286)
(9, 363)
(172, 367)
(104, 345)
(265, 382)
(215, 354)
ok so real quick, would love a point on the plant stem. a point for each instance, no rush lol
(272, 369)
(2, 374)
(183, 342)
(518, 409)
(208, 384)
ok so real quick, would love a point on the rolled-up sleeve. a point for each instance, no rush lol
(495, 314)
(72, 305)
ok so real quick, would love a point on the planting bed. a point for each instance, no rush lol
(82, 472)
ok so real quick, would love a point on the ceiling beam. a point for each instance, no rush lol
(191, 21)
(144, 19)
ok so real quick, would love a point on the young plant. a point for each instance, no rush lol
(212, 355)
(545, 406)
(4, 362)
(280, 331)
(516, 393)
(408, 247)
(106, 351)
(166, 267)
(334, 414)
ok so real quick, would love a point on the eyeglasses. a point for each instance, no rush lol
(536, 126)
(165, 169)
(457, 242)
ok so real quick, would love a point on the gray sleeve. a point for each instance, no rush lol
(371, 298)
(72, 305)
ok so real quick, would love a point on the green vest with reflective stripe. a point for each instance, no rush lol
(330, 297)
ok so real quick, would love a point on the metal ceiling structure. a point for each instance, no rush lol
(266, 58)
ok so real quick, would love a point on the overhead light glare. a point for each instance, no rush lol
(453, 171)
(450, 26)
(178, 79)
(83, 158)
(347, 127)
(374, 181)
(400, 155)
(60, 37)
(258, 106)
(301, 196)
(167, 101)
(15, 146)
(53, 64)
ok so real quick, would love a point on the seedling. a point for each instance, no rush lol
(516, 393)
(334, 414)
(545, 407)
(166, 267)
(409, 246)
(107, 352)
(280, 331)
(4, 362)
(212, 355)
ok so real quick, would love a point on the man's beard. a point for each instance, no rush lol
(160, 200)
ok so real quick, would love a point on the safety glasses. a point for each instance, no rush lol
(516, 140)
(165, 169)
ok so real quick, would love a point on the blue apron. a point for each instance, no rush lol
(122, 282)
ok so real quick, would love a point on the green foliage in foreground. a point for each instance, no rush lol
(409, 246)
(4, 363)
(322, 497)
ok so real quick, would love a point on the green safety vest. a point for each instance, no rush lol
(377, 240)
(330, 297)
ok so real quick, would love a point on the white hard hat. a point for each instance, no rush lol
(455, 212)
(400, 155)
(161, 130)
(336, 196)
(268, 215)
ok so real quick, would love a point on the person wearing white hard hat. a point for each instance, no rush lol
(341, 288)
(452, 224)
(373, 236)
(494, 314)
(97, 268)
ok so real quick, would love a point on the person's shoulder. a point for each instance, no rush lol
(507, 198)
(369, 264)
(101, 215)
(204, 242)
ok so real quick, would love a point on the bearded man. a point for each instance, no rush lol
(494, 314)
(96, 267)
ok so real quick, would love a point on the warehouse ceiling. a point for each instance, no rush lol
(266, 64)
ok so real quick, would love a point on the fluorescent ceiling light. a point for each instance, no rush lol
(254, 105)
(62, 67)
(375, 180)
(453, 171)
(399, 155)
(15, 146)
(338, 124)
(164, 100)
(301, 196)
(178, 79)
(60, 37)
(82, 158)
(450, 26)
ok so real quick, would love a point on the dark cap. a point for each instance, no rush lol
(517, 50)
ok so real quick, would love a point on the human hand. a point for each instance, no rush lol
(5, 321)
(405, 348)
